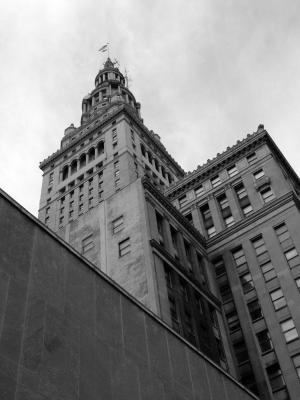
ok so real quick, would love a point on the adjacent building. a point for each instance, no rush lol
(213, 253)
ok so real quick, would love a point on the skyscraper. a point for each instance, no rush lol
(180, 242)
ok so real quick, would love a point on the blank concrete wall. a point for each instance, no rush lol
(67, 332)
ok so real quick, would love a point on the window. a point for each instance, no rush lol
(219, 267)
(258, 174)
(87, 243)
(62, 200)
(252, 158)
(82, 160)
(289, 330)
(292, 257)
(91, 202)
(264, 340)
(51, 178)
(90, 181)
(189, 217)
(268, 271)
(275, 377)
(184, 290)
(80, 188)
(159, 222)
(124, 247)
(174, 235)
(100, 195)
(233, 321)
(80, 208)
(240, 351)
(278, 299)
(118, 224)
(255, 310)
(225, 210)
(114, 135)
(174, 314)
(259, 246)
(267, 194)
(298, 283)
(132, 135)
(100, 150)
(73, 166)
(91, 154)
(47, 219)
(65, 172)
(225, 292)
(232, 171)
(296, 361)
(216, 181)
(282, 232)
(62, 210)
(199, 191)
(61, 220)
(208, 221)
(239, 258)
(182, 201)
(71, 213)
(168, 277)
(247, 282)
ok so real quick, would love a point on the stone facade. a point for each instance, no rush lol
(213, 253)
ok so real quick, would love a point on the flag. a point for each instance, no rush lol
(103, 48)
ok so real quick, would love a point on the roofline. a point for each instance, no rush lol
(229, 155)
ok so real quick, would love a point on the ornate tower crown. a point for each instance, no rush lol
(110, 91)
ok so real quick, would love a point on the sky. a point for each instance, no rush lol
(206, 73)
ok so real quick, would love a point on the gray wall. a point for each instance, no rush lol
(66, 332)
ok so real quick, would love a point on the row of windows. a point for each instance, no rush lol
(193, 258)
(193, 317)
(216, 180)
(82, 160)
(153, 161)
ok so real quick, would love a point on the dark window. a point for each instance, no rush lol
(264, 341)
(296, 361)
(252, 158)
(233, 321)
(267, 194)
(219, 267)
(208, 221)
(124, 247)
(225, 210)
(247, 282)
(215, 181)
(240, 351)
(255, 310)
(275, 377)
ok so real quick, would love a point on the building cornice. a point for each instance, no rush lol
(173, 210)
(252, 218)
(211, 167)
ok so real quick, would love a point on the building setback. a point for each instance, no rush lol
(213, 253)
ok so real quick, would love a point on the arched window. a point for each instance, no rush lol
(73, 166)
(65, 172)
(100, 148)
(143, 150)
(82, 161)
(91, 154)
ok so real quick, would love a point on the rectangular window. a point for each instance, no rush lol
(259, 174)
(87, 243)
(233, 321)
(259, 246)
(240, 259)
(174, 235)
(225, 292)
(275, 377)
(182, 201)
(199, 191)
(232, 171)
(247, 282)
(219, 267)
(255, 310)
(118, 224)
(216, 181)
(252, 158)
(289, 330)
(278, 299)
(124, 247)
(282, 232)
(296, 361)
(241, 352)
(264, 340)
(243, 199)
(292, 257)
(51, 178)
(160, 228)
(208, 221)
(267, 194)
(268, 271)
(114, 135)
(225, 210)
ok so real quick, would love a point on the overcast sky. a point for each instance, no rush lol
(206, 72)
